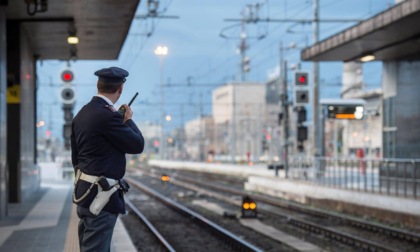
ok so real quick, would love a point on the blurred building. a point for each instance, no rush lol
(151, 133)
(175, 146)
(239, 112)
(366, 134)
(271, 140)
(343, 138)
(199, 138)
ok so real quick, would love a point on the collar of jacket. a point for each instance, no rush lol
(99, 99)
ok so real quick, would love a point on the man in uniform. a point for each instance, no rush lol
(101, 136)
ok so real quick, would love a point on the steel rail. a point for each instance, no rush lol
(149, 225)
(390, 231)
(235, 241)
(319, 229)
(334, 234)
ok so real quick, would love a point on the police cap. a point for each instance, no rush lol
(112, 75)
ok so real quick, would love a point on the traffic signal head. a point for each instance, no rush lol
(301, 79)
(301, 97)
(67, 76)
(302, 133)
(280, 118)
(156, 143)
(165, 178)
(246, 65)
(301, 115)
(67, 95)
(249, 207)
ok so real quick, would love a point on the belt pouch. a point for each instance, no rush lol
(101, 199)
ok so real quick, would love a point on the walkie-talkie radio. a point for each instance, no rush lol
(122, 109)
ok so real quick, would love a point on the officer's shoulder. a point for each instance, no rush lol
(109, 108)
(110, 112)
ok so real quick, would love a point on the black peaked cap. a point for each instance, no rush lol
(112, 75)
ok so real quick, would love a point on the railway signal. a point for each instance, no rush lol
(301, 88)
(67, 76)
(301, 79)
(165, 178)
(301, 130)
(68, 99)
(249, 208)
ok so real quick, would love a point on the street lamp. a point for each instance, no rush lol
(40, 124)
(161, 51)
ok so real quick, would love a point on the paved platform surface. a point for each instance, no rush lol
(47, 222)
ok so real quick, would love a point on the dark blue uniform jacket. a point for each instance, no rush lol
(99, 141)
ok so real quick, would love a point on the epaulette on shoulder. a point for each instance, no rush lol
(110, 108)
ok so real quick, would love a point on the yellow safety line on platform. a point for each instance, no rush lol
(72, 238)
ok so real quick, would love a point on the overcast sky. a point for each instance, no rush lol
(198, 54)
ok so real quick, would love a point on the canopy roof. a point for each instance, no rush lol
(101, 25)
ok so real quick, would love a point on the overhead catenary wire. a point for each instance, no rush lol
(142, 44)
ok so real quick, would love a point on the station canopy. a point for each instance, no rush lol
(393, 34)
(100, 25)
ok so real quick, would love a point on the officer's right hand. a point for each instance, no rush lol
(128, 113)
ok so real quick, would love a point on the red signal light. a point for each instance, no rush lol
(156, 143)
(302, 79)
(48, 133)
(268, 137)
(67, 76)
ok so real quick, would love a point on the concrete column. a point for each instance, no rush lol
(401, 120)
(21, 148)
(3, 116)
(352, 79)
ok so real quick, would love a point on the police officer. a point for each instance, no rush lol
(101, 136)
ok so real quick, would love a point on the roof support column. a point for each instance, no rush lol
(318, 149)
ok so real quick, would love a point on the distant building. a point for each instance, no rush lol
(366, 134)
(272, 130)
(175, 146)
(151, 133)
(199, 138)
(238, 129)
(343, 138)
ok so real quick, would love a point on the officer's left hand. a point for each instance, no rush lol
(128, 113)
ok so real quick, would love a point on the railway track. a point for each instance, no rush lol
(352, 231)
(178, 228)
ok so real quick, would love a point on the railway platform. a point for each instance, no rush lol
(48, 220)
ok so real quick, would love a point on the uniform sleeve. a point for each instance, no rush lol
(125, 137)
(74, 151)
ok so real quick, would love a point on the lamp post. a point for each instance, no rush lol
(161, 51)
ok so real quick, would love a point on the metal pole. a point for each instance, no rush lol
(200, 134)
(282, 92)
(162, 120)
(285, 108)
(233, 125)
(316, 132)
(181, 144)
